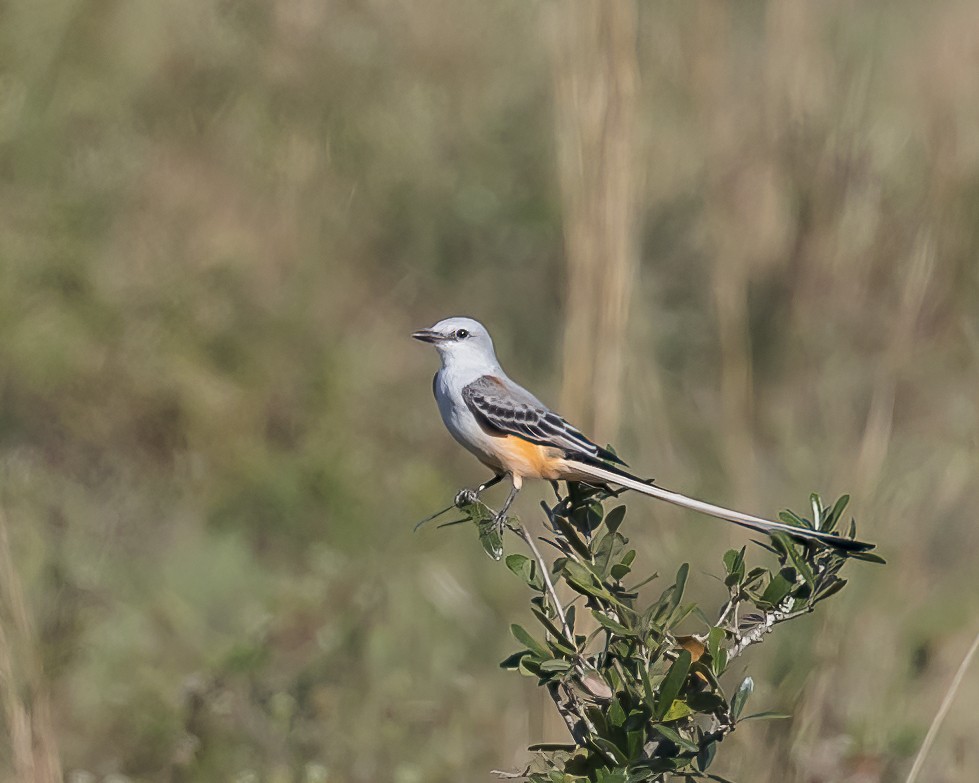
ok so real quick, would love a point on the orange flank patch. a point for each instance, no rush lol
(528, 460)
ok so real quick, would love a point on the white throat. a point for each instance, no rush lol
(465, 365)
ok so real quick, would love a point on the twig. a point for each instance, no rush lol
(522, 532)
(568, 708)
(942, 712)
(564, 699)
(756, 634)
(504, 775)
(433, 516)
(727, 609)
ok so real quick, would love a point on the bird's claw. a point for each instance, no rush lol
(466, 497)
(499, 522)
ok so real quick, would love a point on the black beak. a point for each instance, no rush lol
(427, 336)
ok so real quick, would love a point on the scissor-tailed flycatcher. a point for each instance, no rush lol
(516, 435)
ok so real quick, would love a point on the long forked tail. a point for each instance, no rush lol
(613, 475)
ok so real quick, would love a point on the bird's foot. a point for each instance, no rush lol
(499, 522)
(466, 497)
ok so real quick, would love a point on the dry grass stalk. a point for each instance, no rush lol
(596, 78)
(946, 704)
(25, 697)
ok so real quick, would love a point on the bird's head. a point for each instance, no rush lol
(461, 341)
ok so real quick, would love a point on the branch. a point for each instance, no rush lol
(519, 529)
(757, 633)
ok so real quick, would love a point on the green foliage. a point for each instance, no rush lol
(642, 699)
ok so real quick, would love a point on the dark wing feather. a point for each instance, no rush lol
(504, 408)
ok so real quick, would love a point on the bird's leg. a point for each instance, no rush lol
(491, 483)
(466, 497)
(501, 514)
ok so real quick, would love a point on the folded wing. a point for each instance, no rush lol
(503, 408)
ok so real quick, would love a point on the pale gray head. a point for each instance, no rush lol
(461, 342)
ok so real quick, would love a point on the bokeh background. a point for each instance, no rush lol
(737, 240)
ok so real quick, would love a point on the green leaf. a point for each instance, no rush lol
(716, 778)
(681, 613)
(606, 550)
(532, 644)
(529, 666)
(831, 586)
(678, 709)
(706, 755)
(675, 737)
(662, 764)
(868, 557)
(569, 534)
(720, 662)
(672, 595)
(705, 701)
(741, 696)
(616, 715)
(491, 540)
(610, 750)
(647, 687)
(833, 517)
(791, 518)
(624, 566)
(587, 588)
(702, 669)
(490, 534)
(672, 684)
(639, 775)
(597, 717)
(734, 564)
(513, 661)
(581, 573)
(555, 665)
(767, 715)
(777, 589)
(527, 570)
(587, 516)
(681, 582)
(560, 639)
(715, 638)
(636, 738)
(730, 557)
(763, 545)
(817, 509)
(611, 625)
(800, 564)
(753, 576)
(619, 571)
(614, 518)
(517, 563)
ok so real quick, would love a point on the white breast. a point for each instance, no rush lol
(460, 421)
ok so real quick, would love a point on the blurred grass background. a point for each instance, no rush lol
(219, 221)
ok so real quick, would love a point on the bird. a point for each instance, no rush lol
(518, 437)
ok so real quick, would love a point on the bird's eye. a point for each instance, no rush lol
(462, 334)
